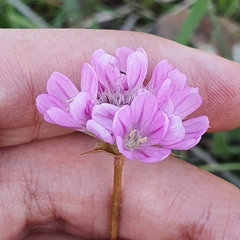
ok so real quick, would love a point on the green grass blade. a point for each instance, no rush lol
(192, 21)
(219, 167)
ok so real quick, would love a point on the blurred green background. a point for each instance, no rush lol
(210, 25)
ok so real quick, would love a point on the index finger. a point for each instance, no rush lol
(30, 56)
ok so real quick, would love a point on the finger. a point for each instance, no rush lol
(56, 236)
(30, 56)
(48, 186)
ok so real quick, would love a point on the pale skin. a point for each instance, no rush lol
(49, 191)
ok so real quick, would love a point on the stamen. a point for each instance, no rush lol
(69, 100)
(133, 140)
(132, 134)
(142, 140)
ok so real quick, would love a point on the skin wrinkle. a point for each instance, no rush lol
(181, 196)
(216, 89)
(53, 237)
(181, 223)
(157, 209)
(27, 199)
(227, 221)
(10, 210)
(23, 234)
(192, 224)
(53, 226)
(89, 203)
(125, 214)
(171, 205)
(200, 228)
(156, 200)
(91, 212)
(36, 116)
(207, 219)
(141, 194)
(33, 189)
(138, 204)
(33, 201)
(128, 199)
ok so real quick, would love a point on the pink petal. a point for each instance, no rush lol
(186, 102)
(46, 101)
(195, 128)
(151, 154)
(159, 75)
(81, 107)
(61, 87)
(164, 91)
(166, 124)
(140, 49)
(167, 106)
(125, 152)
(178, 79)
(48, 119)
(122, 54)
(154, 132)
(61, 118)
(175, 132)
(184, 144)
(122, 121)
(137, 65)
(106, 69)
(99, 131)
(96, 55)
(103, 114)
(143, 109)
(89, 81)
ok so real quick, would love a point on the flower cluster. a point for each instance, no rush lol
(144, 121)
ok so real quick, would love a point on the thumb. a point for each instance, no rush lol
(48, 187)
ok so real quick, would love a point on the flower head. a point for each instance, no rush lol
(144, 122)
(115, 80)
(64, 105)
(146, 133)
(138, 129)
(174, 96)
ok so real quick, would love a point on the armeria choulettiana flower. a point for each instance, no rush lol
(146, 133)
(145, 122)
(58, 107)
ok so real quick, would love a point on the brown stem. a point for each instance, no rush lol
(116, 197)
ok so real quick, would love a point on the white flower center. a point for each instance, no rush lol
(117, 98)
(120, 95)
(134, 139)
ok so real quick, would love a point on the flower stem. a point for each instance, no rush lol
(116, 197)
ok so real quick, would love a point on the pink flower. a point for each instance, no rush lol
(145, 122)
(173, 94)
(106, 85)
(138, 129)
(64, 105)
(113, 82)
(145, 133)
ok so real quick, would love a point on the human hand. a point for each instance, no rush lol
(48, 190)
